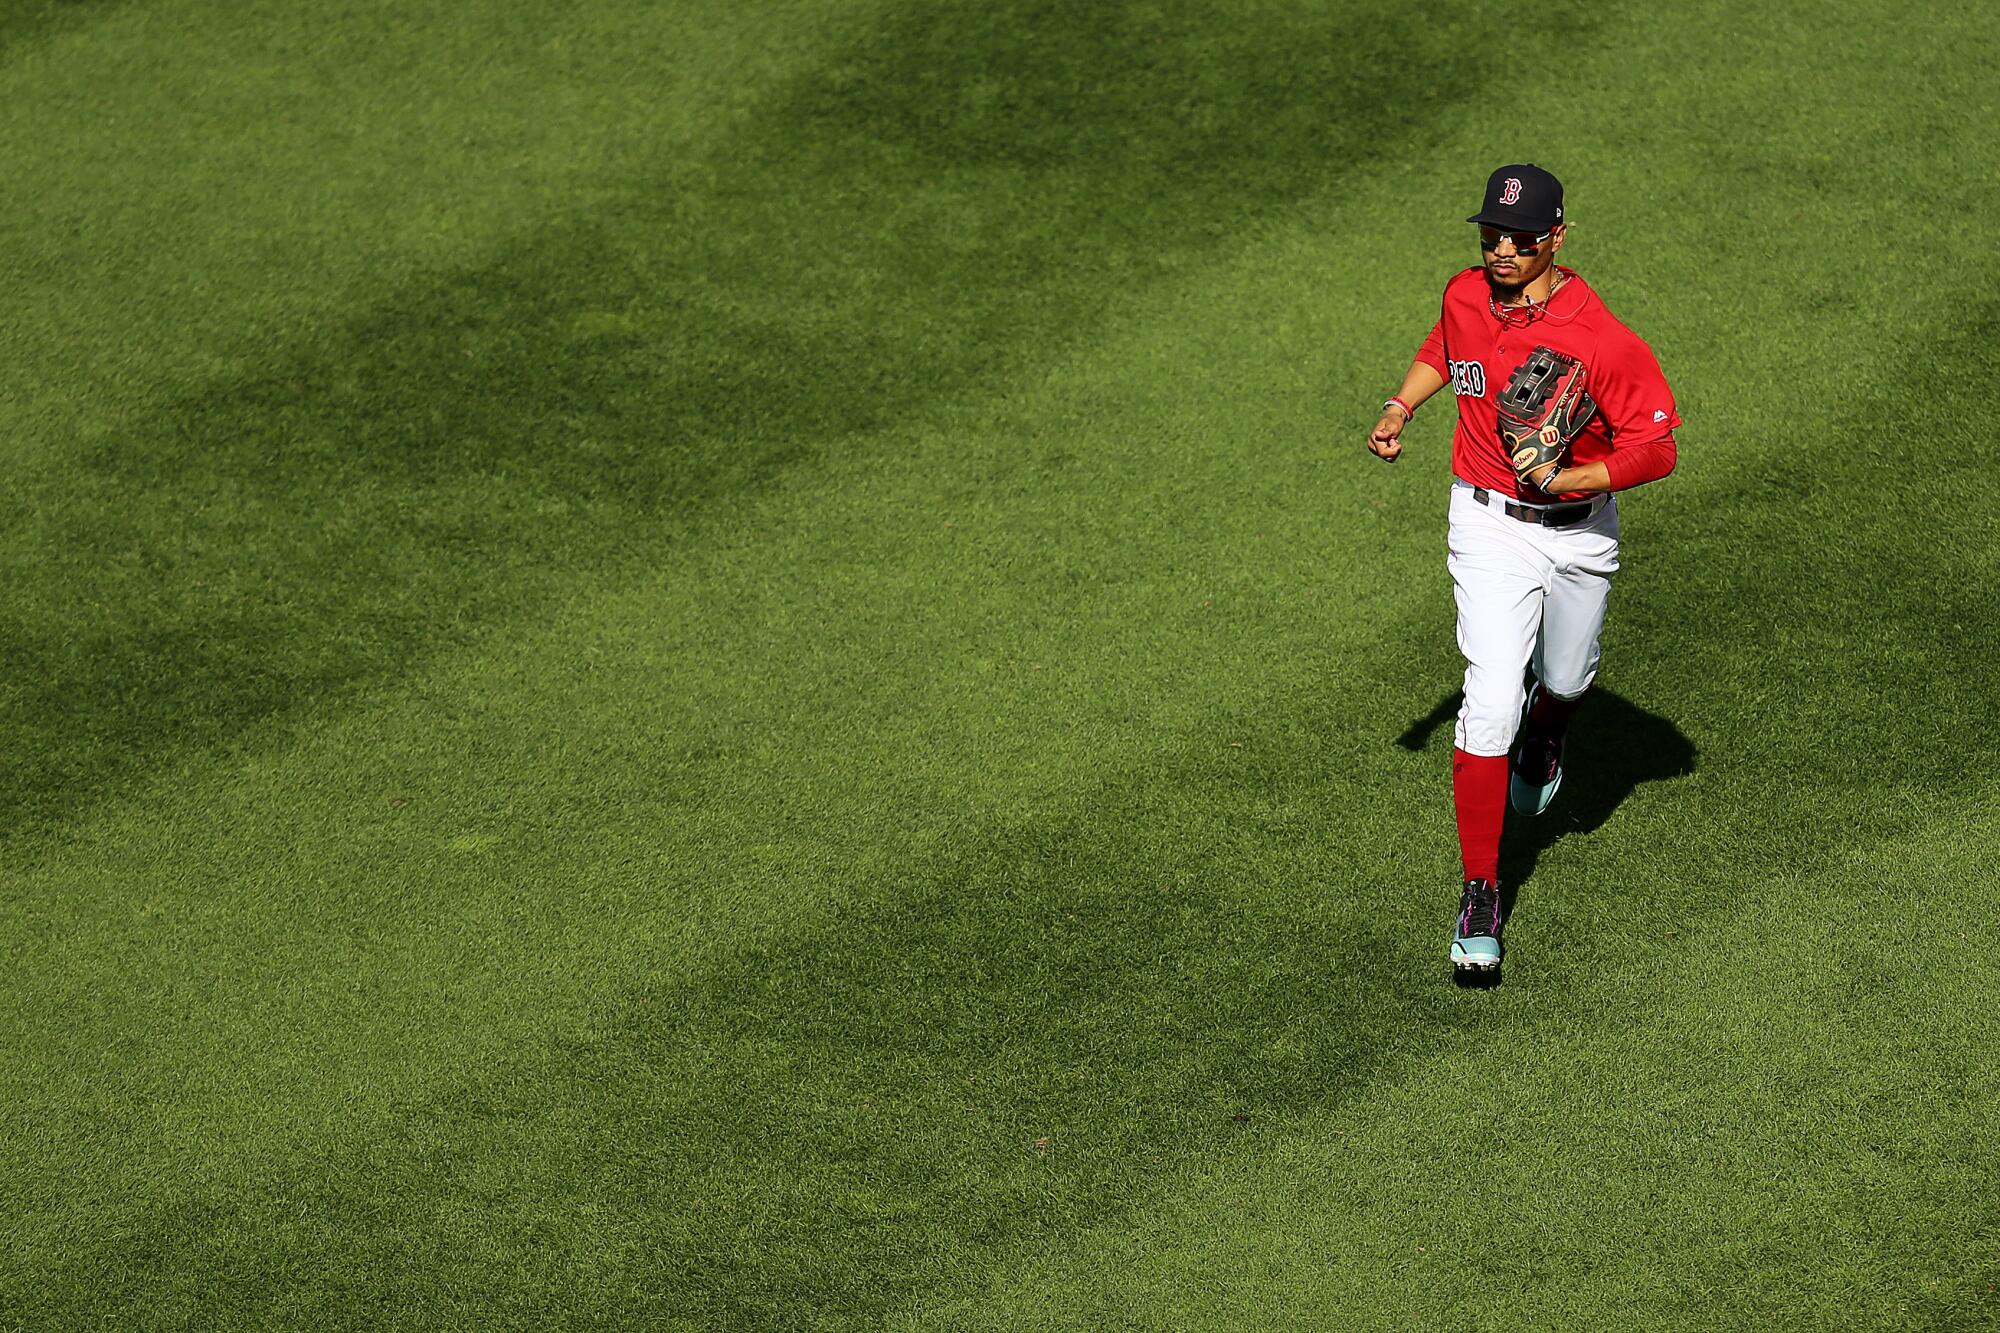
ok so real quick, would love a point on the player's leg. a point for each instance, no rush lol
(1566, 656)
(1499, 581)
(1536, 774)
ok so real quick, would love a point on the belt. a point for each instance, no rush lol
(1549, 516)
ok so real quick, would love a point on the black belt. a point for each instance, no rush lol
(1556, 516)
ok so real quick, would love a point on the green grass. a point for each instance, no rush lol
(708, 669)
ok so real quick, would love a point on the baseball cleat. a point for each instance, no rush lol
(1537, 771)
(1475, 942)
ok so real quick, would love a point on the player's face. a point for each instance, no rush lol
(1515, 259)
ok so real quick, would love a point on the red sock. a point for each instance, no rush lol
(1479, 790)
(1550, 715)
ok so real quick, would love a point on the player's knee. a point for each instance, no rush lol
(1486, 725)
(1567, 685)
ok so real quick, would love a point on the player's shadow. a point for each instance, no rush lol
(1613, 746)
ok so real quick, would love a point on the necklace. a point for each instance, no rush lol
(1528, 311)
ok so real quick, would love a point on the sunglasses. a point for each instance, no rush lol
(1525, 242)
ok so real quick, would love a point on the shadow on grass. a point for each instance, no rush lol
(24, 21)
(1613, 746)
(930, 211)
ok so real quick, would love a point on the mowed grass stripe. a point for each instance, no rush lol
(877, 237)
(792, 987)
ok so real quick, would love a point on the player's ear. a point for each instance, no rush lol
(1556, 241)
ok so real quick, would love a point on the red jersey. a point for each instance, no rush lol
(1632, 432)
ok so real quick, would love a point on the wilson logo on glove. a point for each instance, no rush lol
(1542, 411)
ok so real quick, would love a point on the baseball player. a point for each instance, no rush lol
(1559, 406)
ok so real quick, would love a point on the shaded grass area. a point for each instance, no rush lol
(25, 21)
(936, 208)
(1619, 747)
(1046, 1026)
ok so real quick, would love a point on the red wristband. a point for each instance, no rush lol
(1409, 413)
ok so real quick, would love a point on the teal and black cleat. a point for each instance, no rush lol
(1475, 944)
(1537, 771)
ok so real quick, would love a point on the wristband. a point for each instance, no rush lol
(1409, 413)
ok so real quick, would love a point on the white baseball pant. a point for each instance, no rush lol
(1525, 593)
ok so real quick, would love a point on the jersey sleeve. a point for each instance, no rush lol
(1432, 352)
(1637, 408)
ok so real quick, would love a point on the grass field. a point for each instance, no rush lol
(737, 667)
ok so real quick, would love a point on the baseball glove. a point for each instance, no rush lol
(1542, 409)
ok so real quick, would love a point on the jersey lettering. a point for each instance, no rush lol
(1468, 379)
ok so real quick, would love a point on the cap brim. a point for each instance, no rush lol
(1500, 217)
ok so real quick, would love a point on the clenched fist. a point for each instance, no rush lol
(1386, 440)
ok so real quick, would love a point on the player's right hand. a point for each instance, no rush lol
(1386, 440)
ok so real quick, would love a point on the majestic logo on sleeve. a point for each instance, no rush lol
(1512, 194)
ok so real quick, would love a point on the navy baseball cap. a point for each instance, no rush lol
(1522, 197)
